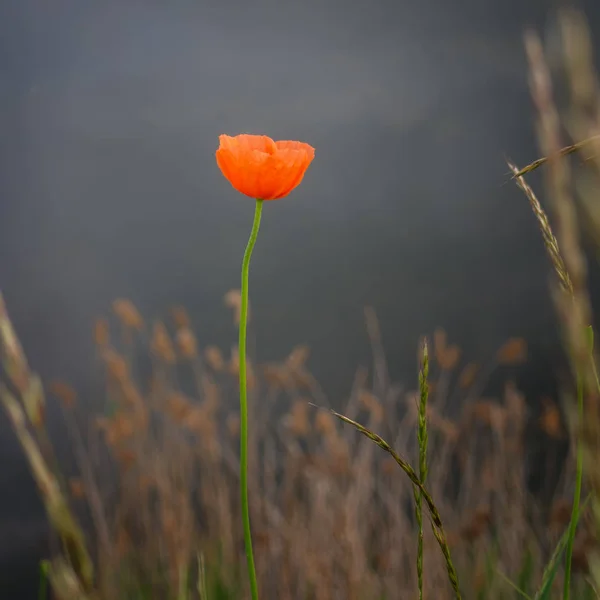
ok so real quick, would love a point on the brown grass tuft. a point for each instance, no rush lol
(128, 314)
(512, 352)
(64, 392)
(214, 358)
(468, 375)
(181, 318)
(161, 345)
(186, 343)
(233, 300)
(550, 421)
(328, 506)
(101, 332)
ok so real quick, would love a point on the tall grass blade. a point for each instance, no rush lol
(436, 520)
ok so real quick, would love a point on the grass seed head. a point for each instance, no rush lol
(128, 314)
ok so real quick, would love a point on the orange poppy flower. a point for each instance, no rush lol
(258, 167)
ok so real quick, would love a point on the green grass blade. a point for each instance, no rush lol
(514, 586)
(552, 566)
(526, 572)
(43, 589)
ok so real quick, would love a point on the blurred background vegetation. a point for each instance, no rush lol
(142, 501)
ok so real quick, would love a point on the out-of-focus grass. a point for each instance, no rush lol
(157, 487)
(570, 198)
(158, 474)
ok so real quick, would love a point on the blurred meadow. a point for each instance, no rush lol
(157, 472)
(135, 456)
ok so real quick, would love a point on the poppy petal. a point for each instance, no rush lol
(258, 167)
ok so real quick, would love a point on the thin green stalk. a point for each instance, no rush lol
(579, 467)
(436, 519)
(552, 566)
(43, 588)
(590, 336)
(422, 440)
(201, 585)
(576, 496)
(184, 574)
(244, 402)
(512, 585)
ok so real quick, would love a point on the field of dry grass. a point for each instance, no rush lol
(153, 512)
(158, 480)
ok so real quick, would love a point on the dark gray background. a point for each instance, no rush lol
(109, 116)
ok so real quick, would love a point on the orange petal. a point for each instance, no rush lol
(258, 167)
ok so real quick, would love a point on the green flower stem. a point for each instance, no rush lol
(244, 402)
